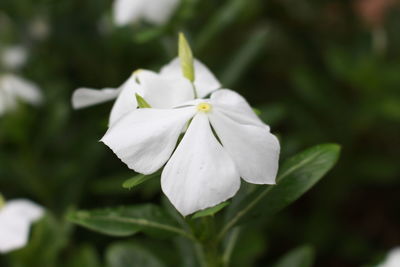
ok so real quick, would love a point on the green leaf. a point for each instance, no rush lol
(126, 221)
(226, 15)
(127, 254)
(186, 58)
(85, 255)
(138, 179)
(141, 102)
(299, 257)
(297, 175)
(210, 211)
(245, 56)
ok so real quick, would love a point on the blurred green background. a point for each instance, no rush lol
(319, 71)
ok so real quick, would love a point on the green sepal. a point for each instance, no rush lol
(257, 111)
(141, 102)
(186, 58)
(210, 211)
(297, 175)
(138, 179)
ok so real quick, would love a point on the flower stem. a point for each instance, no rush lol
(209, 244)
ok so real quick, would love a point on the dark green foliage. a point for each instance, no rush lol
(313, 69)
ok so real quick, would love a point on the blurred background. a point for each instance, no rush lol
(319, 71)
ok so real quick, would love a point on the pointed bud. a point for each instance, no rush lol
(2, 201)
(141, 102)
(186, 58)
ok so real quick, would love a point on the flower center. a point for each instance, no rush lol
(204, 107)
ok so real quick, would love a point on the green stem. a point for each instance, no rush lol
(194, 91)
(230, 245)
(212, 256)
(209, 245)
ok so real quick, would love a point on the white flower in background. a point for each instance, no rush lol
(39, 28)
(152, 11)
(13, 57)
(175, 89)
(203, 171)
(16, 217)
(14, 89)
(392, 259)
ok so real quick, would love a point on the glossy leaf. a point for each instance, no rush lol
(126, 221)
(297, 175)
(126, 254)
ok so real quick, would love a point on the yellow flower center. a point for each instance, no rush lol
(204, 107)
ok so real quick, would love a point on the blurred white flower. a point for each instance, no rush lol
(175, 89)
(203, 171)
(14, 57)
(39, 28)
(392, 259)
(14, 89)
(16, 217)
(153, 11)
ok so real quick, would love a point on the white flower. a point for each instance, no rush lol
(175, 89)
(153, 11)
(16, 217)
(392, 259)
(203, 171)
(39, 28)
(14, 57)
(14, 89)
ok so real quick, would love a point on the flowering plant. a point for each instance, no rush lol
(221, 139)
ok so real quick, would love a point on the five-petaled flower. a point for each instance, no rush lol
(224, 141)
(175, 89)
(16, 217)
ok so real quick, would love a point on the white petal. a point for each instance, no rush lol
(253, 148)
(21, 89)
(128, 11)
(164, 93)
(145, 138)
(236, 107)
(15, 220)
(205, 82)
(84, 97)
(24, 209)
(392, 259)
(126, 100)
(8, 100)
(200, 174)
(14, 57)
(159, 11)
